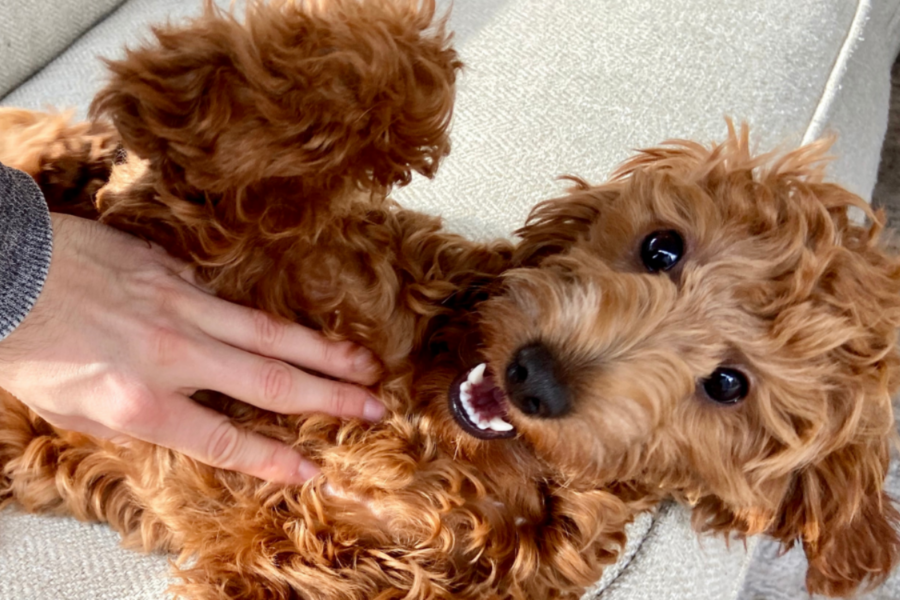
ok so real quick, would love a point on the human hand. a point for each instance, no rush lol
(121, 336)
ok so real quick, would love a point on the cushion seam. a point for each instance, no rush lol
(832, 85)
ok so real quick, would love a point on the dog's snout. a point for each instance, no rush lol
(534, 384)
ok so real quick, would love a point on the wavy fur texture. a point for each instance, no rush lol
(263, 153)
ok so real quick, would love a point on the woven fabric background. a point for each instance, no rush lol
(32, 33)
(575, 86)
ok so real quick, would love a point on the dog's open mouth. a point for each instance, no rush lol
(479, 405)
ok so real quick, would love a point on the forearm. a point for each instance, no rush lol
(25, 246)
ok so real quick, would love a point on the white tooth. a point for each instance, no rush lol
(465, 396)
(470, 411)
(477, 374)
(498, 424)
(483, 425)
(466, 387)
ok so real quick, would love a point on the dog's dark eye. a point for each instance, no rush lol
(726, 386)
(661, 250)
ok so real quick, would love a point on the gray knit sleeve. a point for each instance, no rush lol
(26, 241)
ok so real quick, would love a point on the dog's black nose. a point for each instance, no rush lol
(534, 385)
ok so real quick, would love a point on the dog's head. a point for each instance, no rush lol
(711, 325)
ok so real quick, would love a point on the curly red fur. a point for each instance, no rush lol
(71, 162)
(263, 153)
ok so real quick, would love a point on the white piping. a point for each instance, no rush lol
(816, 125)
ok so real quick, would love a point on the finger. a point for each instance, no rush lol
(263, 334)
(274, 385)
(211, 438)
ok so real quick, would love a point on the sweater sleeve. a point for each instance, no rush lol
(26, 241)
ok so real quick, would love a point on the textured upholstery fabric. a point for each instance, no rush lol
(673, 563)
(574, 86)
(550, 88)
(51, 558)
(32, 33)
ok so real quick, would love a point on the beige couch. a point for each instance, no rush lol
(551, 87)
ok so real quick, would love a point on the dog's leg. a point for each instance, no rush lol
(328, 97)
(70, 161)
(45, 470)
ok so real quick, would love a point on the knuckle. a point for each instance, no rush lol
(165, 345)
(269, 332)
(325, 349)
(136, 409)
(276, 384)
(340, 354)
(224, 446)
(345, 400)
(168, 296)
(341, 358)
(158, 292)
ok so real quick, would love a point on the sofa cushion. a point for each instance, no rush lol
(32, 33)
(572, 87)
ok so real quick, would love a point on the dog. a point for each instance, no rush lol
(708, 325)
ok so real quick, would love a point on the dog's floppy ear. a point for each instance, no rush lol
(844, 521)
(554, 225)
(838, 513)
(836, 506)
(328, 91)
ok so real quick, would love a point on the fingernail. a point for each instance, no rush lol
(364, 360)
(373, 410)
(307, 470)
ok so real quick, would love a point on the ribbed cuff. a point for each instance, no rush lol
(26, 243)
